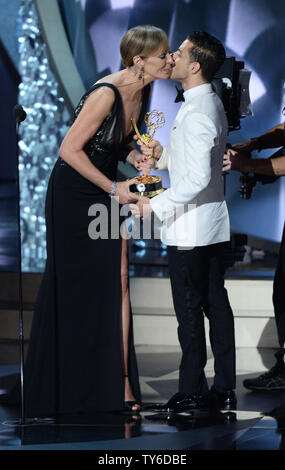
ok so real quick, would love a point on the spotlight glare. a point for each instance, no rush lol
(256, 86)
(116, 4)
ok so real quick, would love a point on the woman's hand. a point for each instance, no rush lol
(140, 162)
(123, 193)
(143, 164)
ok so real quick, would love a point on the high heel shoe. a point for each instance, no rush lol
(128, 405)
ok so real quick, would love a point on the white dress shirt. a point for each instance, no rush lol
(192, 210)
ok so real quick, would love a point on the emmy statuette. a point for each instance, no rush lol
(147, 185)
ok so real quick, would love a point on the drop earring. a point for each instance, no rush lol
(141, 73)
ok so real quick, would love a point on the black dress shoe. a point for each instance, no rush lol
(184, 402)
(224, 400)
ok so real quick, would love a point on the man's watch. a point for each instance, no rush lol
(113, 189)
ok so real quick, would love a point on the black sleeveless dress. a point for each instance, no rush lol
(74, 361)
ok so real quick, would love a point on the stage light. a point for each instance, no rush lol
(83, 3)
(116, 4)
(140, 253)
(245, 23)
(256, 87)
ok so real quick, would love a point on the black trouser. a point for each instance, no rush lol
(279, 293)
(197, 281)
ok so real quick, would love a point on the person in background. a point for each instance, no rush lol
(238, 159)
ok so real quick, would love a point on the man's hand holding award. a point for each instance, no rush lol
(147, 185)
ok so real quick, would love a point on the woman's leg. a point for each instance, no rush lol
(125, 321)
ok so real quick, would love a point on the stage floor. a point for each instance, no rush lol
(250, 427)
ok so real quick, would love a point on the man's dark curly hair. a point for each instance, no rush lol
(208, 51)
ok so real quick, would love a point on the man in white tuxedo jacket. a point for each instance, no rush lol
(195, 225)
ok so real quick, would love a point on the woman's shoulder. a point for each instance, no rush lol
(98, 96)
(111, 81)
(102, 88)
(105, 92)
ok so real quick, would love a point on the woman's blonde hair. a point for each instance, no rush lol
(142, 41)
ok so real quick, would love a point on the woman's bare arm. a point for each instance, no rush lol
(95, 109)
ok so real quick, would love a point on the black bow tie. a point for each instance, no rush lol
(179, 96)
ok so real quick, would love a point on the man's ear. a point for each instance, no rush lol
(195, 67)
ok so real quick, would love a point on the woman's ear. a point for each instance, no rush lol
(138, 61)
(139, 66)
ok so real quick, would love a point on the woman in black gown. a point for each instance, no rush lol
(81, 355)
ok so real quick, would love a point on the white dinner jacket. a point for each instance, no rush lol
(193, 210)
